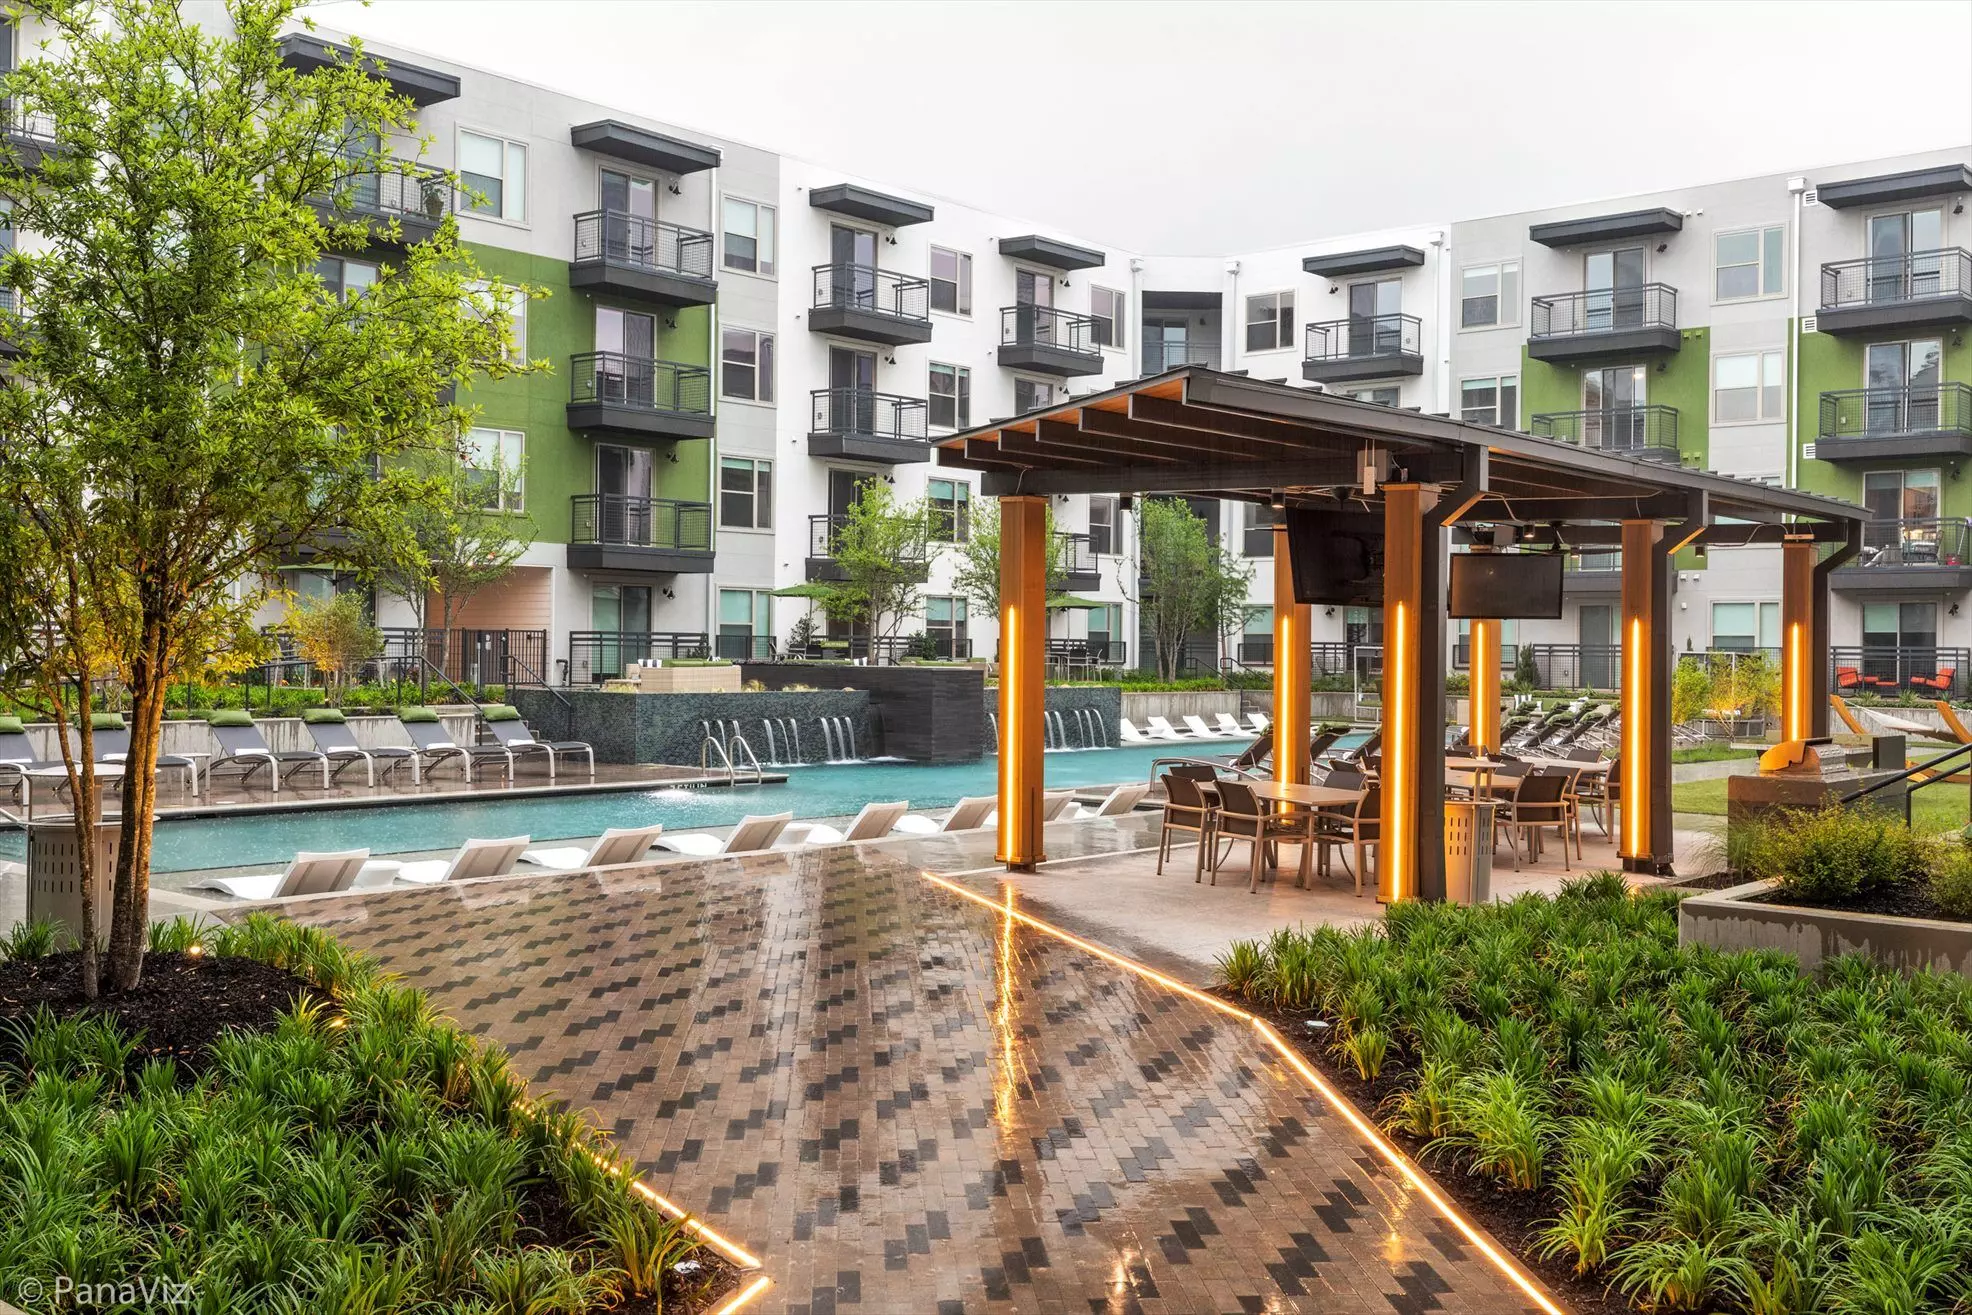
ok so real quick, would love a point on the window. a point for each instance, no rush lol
(951, 281)
(482, 297)
(494, 172)
(342, 278)
(1748, 263)
(494, 459)
(1031, 395)
(1257, 533)
(1256, 636)
(1270, 322)
(749, 236)
(1489, 295)
(746, 365)
(746, 623)
(1490, 401)
(1102, 525)
(1380, 396)
(1742, 627)
(944, 621)
(950, 405)
(746, 493)
(1748, 387)
(1110, 309)
(951, 509)
(1106, 633)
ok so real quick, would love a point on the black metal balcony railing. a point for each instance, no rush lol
(878, 291)
(1078, 556)
(619, 519)
(1891, 280)
(22, 124)
(1944, 408)
(1931, 541)
(1638, 430)
(1365, 335)
(1594, 563)
(1095, 651)
(1028, 325)
(600, 654)
(863, 412)
(1161, 356)
(632, 240)
(1924, 670)
(1605, 310)
(639, 383)
(505, 657)
(413, 192)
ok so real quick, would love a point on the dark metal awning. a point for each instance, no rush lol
(1202, 432)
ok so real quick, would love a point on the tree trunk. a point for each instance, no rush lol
(82, 783)
(130, 920)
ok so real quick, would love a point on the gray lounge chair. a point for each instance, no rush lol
(241, 743)
(436, 746)
(512, 733)
(110, 739)
(307, 874)
(329, 730)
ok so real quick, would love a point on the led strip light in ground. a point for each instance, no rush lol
(1369, 1131)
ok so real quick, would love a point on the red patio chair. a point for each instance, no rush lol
(1848, 678)
(1938, 681)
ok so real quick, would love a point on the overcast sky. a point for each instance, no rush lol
(1211, 126)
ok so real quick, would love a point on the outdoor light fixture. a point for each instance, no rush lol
(1526, 534)
(1277, 499)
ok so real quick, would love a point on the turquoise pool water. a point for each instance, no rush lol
(837, 790)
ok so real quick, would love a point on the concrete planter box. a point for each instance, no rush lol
(1738, 919)
(1141, 706)
(685, 680)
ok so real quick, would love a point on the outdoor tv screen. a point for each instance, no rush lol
(1337, 557)
(1506, 585)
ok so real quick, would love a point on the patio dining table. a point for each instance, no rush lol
(1311, 799)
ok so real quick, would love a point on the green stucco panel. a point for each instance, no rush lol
(1832, 364)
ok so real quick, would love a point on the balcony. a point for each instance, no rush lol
(823, 537)
(1892, 669)
(1049, 341)
(398, 207)
(13, 309)
(1592, 573)
(30, 136)
(1583, 326)
(870, 305)
(1929, 555)
(1883, 424)
(1160, 356)
(860, 425)
(1649, 433)
(1079, 567)
(643, 260)
(1363, 347)
(1923, 290)
(618, 532)
(634, 397)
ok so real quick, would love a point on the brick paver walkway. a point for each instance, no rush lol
(908, 1103)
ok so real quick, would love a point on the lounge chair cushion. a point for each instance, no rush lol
(416, 714)
(106, 721)
(229, 717)
(323, 716)
(500, 712)
(12, 726)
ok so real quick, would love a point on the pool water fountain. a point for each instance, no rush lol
(839, 739)
(783, 735)
(1061, 731)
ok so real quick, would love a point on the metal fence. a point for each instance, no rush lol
(481, 657)
(413, 192)
(595, 655)
(867, 288)
(1924, 671)
(619, 519)
(1028, 325)
(1924, 541)
(1891, 280)
(1644, 431)
(1364, 335)
(1605, 310)
(866, 412)
(1159, 356)
(1942, 408)
(639, 383)
(617, 238)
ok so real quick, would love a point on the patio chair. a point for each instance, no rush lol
(1127, 732)
(966, 815)
(1360, 829)
(241, 742)
(110, 738)
(1939, 681)
(874, 822)
(436, 747)
(512, 733)
(1540, 803)
(1848, 679)
(476, 858)
(617, 845)
(1258, 721)
(752, 835)
(1186, 811)
(1241, 816)
(1257, 752)
(1601, 791)
(306, 874)
(329, 730)
(1582, 753)
(1198, 727)
(1227, 726)
(17, 753)
(1343, 777)
(1162, 729)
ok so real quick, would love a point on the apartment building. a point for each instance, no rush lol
(741, 340)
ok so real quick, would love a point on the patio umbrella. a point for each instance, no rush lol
(1074, 603)
(803, 591)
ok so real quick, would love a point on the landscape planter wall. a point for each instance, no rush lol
(1738, 919)
(1082, 716)
(923, 713)
(1141, 705)
(670, 728)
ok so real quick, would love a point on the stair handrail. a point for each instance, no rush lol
(732, 758)
(707, 747)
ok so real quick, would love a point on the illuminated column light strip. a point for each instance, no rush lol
(1399, 754)
(1354, 1117)
(1484, 665)
(1636, 786)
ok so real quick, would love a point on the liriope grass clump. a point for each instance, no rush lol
(360, 1155)
(1702, 1131)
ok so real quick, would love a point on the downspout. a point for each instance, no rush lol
(1443, 390)
(1791, 468)
(714, 207)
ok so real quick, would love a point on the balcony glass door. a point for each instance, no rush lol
(1614, 282)
(1613, 399)
(1165, 345)
(856, 249)
(1596, 626)
(852, 390)
(1033, 294)
(1893, 242)
(1370, 332)
(1902, 528)
(620, 613)
(629, 219)
(1902, 378)
(626, 343)
(366, 187)
(623, 511)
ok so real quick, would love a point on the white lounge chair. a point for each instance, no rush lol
(873, 823)
(476, 858)
(1055, 805)
(1121, 800)
(615, 846)
(1162, 729)
(307, 874)
(1126, 730)
(1258, 721)
(1196, 725)
(1227, 726)
(752, 835)
(967, 815)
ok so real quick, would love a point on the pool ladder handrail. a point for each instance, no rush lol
(732, 759)
(709, 746)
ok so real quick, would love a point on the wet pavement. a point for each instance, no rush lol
(905, 1101)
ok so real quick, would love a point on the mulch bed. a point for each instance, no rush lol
(1912, 900)
(716, 1279)
(1512, 1218)
(1711, 881)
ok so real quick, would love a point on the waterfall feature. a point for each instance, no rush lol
(783, 741)
(838, 739)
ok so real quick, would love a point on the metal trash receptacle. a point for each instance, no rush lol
(1469, 851)
(54, 861)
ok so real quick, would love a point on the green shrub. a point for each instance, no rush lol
(1951, 880)
(1837, 853)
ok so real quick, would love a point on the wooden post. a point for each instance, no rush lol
(1293, 670)
(1798, 657)
(1023, 690)
(1484, 692)
(1410, 860)
(1644, 837)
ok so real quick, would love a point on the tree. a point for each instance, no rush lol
(882, 547)
(460, 541)
(977, 575)
(192, 403)
(1189, 582)
(336, 634)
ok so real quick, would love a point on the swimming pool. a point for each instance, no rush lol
(825, 790)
